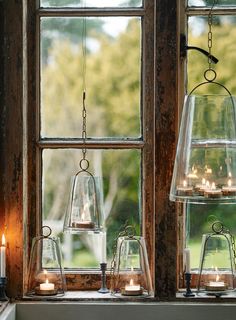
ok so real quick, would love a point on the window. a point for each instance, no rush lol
(30, 141)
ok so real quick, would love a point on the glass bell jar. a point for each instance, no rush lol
(45, 273)
(131, 273)
(205, 163)
(217, 262)
(84, 211)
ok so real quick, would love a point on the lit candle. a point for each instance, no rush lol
(200, 187)
(132, 289)
(184, 190)
(216, 285)
(187, 260)
(46, 285)
(83, 224)
(229, 190)
(212, 191)
(3, 258)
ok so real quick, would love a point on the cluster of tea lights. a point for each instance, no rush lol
(207, 189)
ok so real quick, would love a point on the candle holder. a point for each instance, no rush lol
(130, 267)
(188, 292)
(3, 283)
(217, 262)
(103, 288)
(45, 273)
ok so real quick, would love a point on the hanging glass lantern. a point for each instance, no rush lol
(205, 162)
(130, 267)
(84, 211)
(45, 273)
(217, 262)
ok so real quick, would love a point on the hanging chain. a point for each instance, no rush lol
(84, 111)
(210, 74)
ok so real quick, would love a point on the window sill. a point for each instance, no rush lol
(88, 296)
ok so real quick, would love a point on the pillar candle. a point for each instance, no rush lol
(187, 260)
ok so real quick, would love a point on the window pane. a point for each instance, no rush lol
(113, 76)
(199, 222)
(200, 3)
(91, 3)
(120, 172)
(223, 47)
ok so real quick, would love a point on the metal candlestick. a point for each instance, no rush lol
(188, 292)
(3, 282)
(103, 288)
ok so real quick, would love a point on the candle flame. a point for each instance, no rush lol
(213, 186)
(217, 278)
(207, 183)
(82, 216)
(203, 181)
(229, 183)
(131, 282)
(185, 183)
(3, 240)
(46, 281)
(230, 175)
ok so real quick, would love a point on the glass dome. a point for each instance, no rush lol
(217, 266)
(84, 210)
(131, 273)
(45, 273)
(205, 163)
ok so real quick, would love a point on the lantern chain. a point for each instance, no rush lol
(84, 110)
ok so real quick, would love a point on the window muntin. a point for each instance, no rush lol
(113, 76)
(208, 3)
(91, 3)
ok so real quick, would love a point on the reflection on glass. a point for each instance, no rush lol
(208, 3)
(120, 172)
(112, 77)
(91, 3)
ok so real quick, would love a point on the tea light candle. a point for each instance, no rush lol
(229, 190)
(3, 258)
(213, 192)
(200, 187)
(184, 190)
(83, 224)
(132, 289)
(46, 286)
(216, 285)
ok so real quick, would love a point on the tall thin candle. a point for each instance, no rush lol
(3, 258)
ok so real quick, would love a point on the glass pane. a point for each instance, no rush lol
(120, 172)
(91, 3)
(199, 222)
(223, 48)
(208, 3)
(113, 77)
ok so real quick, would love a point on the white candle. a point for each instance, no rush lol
(3, 257)
(104, 247)
(187, 260)
(131, 286)
(46, 286)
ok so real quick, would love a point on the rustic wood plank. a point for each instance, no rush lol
(166, 111)
(13, 145)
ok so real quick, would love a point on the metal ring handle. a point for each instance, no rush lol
(84, 164)
(217, 227)
(210, 75)
(49, 231)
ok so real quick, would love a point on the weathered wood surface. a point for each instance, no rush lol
(165, 137)
(13, 144)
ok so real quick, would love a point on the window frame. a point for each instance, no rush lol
(19, 164)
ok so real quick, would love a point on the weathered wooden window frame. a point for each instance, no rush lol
(18, 200)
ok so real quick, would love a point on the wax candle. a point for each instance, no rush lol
(187, 260)
(83, 224)
(184, 189)
(216, 285)
(213, 192)
(229, 190)
(104, 247)
(132, 289)
(3, 257)
(46, 286)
